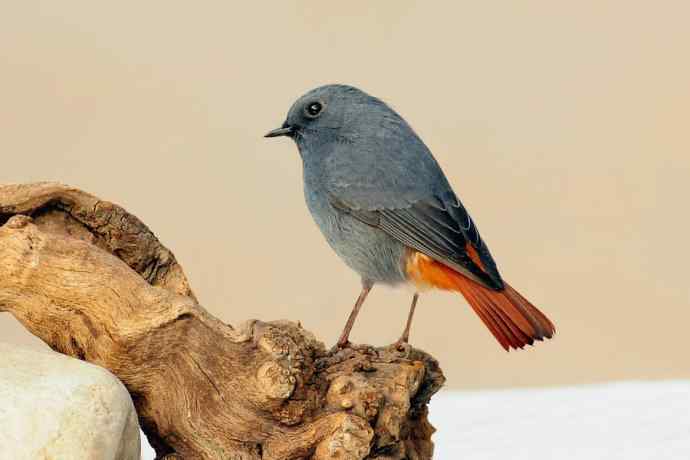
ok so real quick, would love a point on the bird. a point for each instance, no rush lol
(386, 208)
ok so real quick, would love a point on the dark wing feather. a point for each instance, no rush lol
(391, 181)
(439, 228)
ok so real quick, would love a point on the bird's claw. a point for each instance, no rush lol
(341, 346)
(401, 344)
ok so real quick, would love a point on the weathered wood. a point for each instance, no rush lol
(92, 281)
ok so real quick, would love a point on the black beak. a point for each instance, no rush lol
(284, 130)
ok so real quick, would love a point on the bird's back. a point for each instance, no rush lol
(383, 164)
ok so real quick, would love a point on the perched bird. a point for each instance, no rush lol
(386, 208)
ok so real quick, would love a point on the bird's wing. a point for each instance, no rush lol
(393, 182)
(439, 227)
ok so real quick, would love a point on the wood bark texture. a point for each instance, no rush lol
(93, 282)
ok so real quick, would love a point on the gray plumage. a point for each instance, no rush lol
(374, 188)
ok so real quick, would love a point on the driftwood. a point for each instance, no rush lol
(93, 282)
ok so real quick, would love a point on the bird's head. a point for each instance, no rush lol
(334, 112)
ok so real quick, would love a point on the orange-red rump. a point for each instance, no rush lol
(511, 318)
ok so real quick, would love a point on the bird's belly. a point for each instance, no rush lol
(370, 252)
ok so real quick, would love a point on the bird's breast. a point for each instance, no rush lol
(370, 252)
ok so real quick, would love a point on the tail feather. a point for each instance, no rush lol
(516, 322)
(489, 319)
(518, 335)
(511, 318)
(544, 326)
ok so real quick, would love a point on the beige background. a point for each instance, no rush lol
(565, 130)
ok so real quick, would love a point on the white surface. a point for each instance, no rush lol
(615, 421)
(629, 420)
(56, 407)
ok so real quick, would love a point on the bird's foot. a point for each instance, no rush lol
(401, 344)
(341, 345)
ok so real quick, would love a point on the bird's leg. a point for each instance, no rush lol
(406, 333)
(343, 341)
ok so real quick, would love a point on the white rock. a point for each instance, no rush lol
(56, 407)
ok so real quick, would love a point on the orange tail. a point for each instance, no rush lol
(511, 318)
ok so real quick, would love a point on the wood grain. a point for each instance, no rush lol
(93, 282)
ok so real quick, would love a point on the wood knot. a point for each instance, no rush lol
(18, 221)
(355, 393)
(275, 381)
(351, 440)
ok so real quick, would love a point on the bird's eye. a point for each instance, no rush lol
(314, 109)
